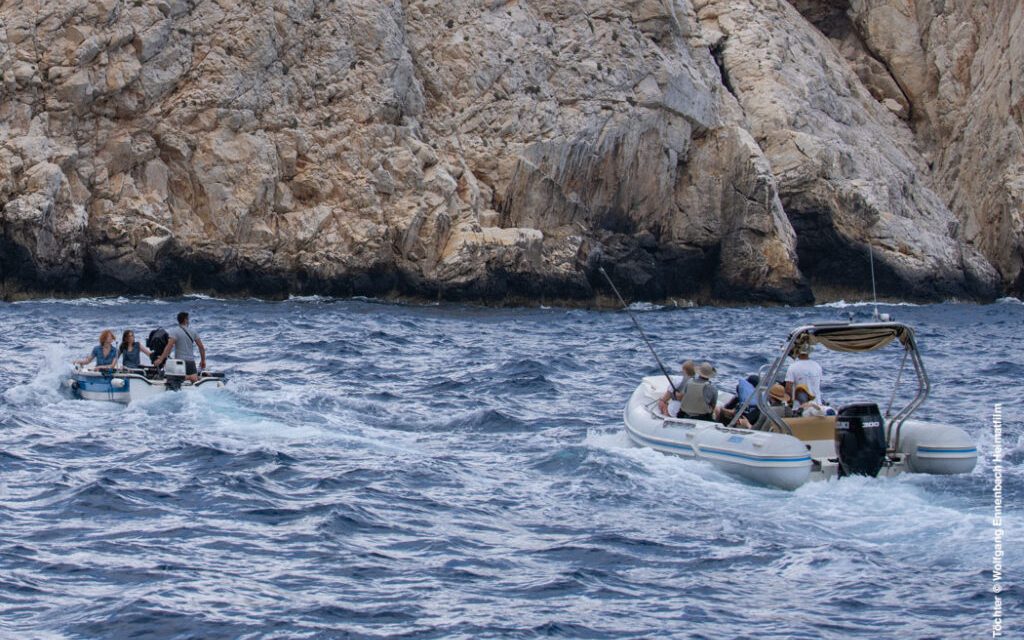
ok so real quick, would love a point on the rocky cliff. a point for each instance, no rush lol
(716, 149)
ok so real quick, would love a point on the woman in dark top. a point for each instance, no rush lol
(105, 354)
(131, 351)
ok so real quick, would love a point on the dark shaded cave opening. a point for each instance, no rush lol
(834, 264)
(829, 16)
(717, 53)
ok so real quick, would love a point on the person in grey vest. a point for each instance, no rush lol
(699, 395)
(669, 402)
(184, 340)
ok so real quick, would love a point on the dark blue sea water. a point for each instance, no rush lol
(377, 470)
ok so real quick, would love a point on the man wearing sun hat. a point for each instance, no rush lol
(699, 395)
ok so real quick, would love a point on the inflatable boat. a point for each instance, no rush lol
(127, 385)
(858, 440)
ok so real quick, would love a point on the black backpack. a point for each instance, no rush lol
(156, 343)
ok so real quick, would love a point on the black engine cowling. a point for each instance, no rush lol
(860, 439)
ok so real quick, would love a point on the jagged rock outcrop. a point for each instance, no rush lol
(462, 149)
(956, 70)
(962, 65)
(849, 173)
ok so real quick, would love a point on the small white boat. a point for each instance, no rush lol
(857, 441)
(129, 385)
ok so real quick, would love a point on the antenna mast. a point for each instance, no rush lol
(874, 293)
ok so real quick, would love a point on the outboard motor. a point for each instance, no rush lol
(174, 374)
(860, 440)
(156, 343)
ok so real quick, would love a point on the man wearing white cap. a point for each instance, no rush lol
(804, 371)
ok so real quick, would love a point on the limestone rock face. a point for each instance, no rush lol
(961, 65)
(849, 172)
(735, 150)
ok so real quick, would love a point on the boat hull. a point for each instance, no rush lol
(768, 458)
(783, 460)
(125, 387)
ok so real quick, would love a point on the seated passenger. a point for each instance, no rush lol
(805, 405)
(699, 395)
(105, 353)
(744, 389)
(777, 406)
(669, 402)
(131, 351)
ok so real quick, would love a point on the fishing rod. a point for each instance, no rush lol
(639, 328)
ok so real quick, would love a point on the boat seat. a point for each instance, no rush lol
(813, 427)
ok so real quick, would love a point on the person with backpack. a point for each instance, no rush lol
(184, 340)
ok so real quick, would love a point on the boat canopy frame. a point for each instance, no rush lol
(848, 338)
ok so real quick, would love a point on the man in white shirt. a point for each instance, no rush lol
(803, 370)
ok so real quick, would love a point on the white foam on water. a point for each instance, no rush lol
(224, 412)
(645, 306)
(45, 387)
(99, 301)
(202, 296)
(607, 439)
(912, 516)
(311, 299)
(843, 304)
(1009, 300)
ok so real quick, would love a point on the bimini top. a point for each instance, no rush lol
(853, 337)
(850, 337)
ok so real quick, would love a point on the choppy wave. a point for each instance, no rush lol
(379, 470)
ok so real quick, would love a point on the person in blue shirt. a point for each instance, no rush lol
(105, 354)
(131, 351)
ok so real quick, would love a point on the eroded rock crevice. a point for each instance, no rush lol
(833, 19)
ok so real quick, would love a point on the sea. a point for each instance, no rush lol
(384, 470)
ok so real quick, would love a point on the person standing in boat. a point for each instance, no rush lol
(183, 340)
(700, 396)
(803, 371)
(131, 351)
(669, 402)
(105, 354)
